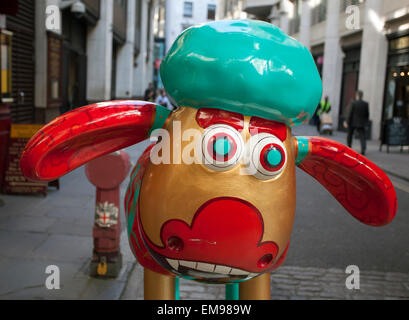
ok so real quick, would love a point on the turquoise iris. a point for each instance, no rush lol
(274, 157)
(222, 147)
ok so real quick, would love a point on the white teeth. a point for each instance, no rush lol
(238, 272)
(222, 269)
(174, 263)
(208, 267)
(189, 264)
(205, 267)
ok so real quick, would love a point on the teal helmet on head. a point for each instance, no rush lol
(245, 66)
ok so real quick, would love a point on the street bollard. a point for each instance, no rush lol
(106, 174)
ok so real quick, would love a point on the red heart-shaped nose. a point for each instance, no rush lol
(224, 231)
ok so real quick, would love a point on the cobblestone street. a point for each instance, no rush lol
(289, 283)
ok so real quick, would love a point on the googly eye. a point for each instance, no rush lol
(266, 156)
(221, 147)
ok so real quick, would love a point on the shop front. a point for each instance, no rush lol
(350, 78)
(397, 80)
(396, 101)
(74, 62)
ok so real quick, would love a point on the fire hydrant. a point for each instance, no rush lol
(106, 174)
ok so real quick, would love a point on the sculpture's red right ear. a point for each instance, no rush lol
(81, 135)
(360, 186)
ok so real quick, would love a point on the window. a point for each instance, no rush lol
(5, 64)
(188, 9)
(296, 19)
(211, 11)
(346, 3)
(318, 13)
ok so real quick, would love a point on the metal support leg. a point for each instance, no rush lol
(232, 291)
(256, 289)
(158, 286)
(177, 296)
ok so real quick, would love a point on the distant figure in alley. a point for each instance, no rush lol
(357, 119)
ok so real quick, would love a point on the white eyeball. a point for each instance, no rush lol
(220, 147)
(266, 156)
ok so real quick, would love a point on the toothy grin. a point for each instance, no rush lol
(209, 267)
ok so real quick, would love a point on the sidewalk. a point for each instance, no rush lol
(37, 231)
(57, 230)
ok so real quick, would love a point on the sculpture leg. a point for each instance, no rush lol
(256, 289)
(158, 286)
(232, 291)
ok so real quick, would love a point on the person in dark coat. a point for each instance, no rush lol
(357, 120)
(149, 93)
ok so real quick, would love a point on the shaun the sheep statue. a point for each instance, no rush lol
(227, 216)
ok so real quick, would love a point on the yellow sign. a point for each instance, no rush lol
(24, 131)
(102, 269)
(4, 81)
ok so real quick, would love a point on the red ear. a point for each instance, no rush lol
(362, 188)
(81, 135)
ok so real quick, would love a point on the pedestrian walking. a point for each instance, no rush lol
(149, 93)
(324, 107)
(165, 101)
(159, 97)
(357, 120)
(314, 119)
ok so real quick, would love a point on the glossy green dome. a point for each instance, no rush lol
(245, 66)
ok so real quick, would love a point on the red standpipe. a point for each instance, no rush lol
(107, 173)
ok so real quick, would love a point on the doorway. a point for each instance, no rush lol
(74, 71)
(397, 93)
(74, 79)
(350, 78)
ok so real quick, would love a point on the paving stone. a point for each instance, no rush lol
(16, 205)
(200, 296)
(307, 294)
(71, 227)
(74, 212)
(310, 287)
(307, 276)
(402, 292)
(64, 201)
(286, 281)
(27, 223)
(134, 287)
(389, 276)
(196, 288)
(280, 297)
(29, 274)
(20, 244)
(127, 255)
(65, 248)
(103, 289)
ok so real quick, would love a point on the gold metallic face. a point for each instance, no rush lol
(176, 192)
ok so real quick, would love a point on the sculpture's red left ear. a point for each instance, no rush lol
(83, 134)
(362, 188)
